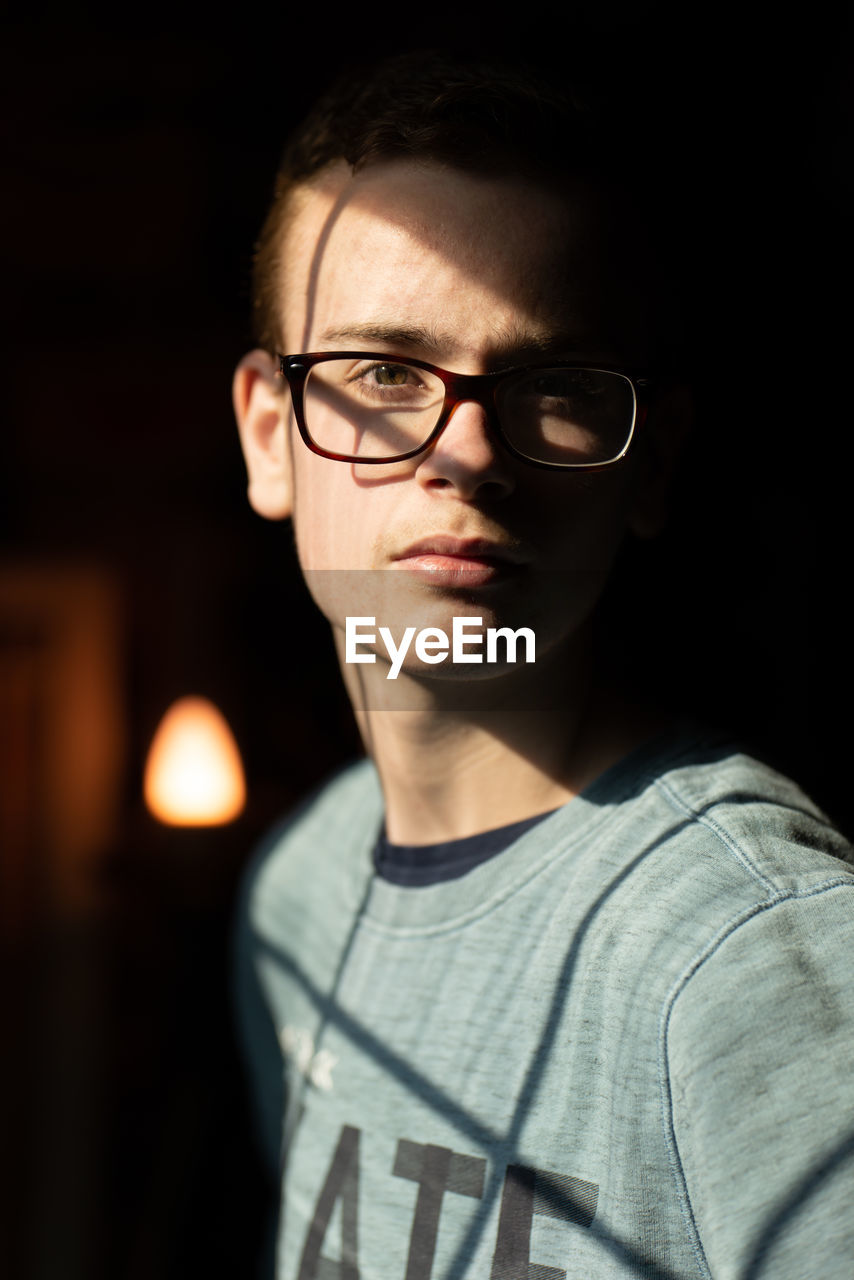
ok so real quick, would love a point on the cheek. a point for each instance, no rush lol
(323, 519)
(321, 539)
(590, 515)
(327, 532)
(341, 511)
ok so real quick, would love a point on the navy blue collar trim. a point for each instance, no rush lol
(414, 866)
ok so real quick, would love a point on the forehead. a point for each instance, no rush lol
(469, 266)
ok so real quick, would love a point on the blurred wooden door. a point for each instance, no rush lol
(61, 766)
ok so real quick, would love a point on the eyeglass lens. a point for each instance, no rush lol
(365, 408)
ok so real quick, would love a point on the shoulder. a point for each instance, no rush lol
(321, 849)
(768, 974)
(791, 927)
(756, 1030)
(752, 819)
(696, 855)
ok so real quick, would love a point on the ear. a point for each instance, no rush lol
(261, 410)
(667, 427)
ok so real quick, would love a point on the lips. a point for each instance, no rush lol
(449, 561)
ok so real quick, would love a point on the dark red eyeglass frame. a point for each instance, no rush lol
(477, 387)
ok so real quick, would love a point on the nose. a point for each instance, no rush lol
(467, 459)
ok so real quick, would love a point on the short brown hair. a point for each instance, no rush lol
(489, 117)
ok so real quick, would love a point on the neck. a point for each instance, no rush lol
(456, 757)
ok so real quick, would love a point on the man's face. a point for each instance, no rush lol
(472, 274)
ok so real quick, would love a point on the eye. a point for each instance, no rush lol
(390, 375)
(384, 380)
(380, 374)
(553, 385)
(561, 384)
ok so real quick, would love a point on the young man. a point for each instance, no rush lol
(554, 987)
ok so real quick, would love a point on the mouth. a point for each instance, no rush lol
(459, 562)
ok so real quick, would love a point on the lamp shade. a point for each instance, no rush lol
(194, 774)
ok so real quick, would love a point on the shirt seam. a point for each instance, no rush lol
(716, 829)
(665, 1085)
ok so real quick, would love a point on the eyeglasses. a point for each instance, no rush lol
(357, 406)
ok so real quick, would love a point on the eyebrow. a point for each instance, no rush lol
(394, 334)
(508, 346)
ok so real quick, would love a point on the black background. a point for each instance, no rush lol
(140, 152)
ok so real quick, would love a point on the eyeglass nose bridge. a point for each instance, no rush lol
(474, 388)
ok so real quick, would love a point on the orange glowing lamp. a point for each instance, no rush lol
(194, 774)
